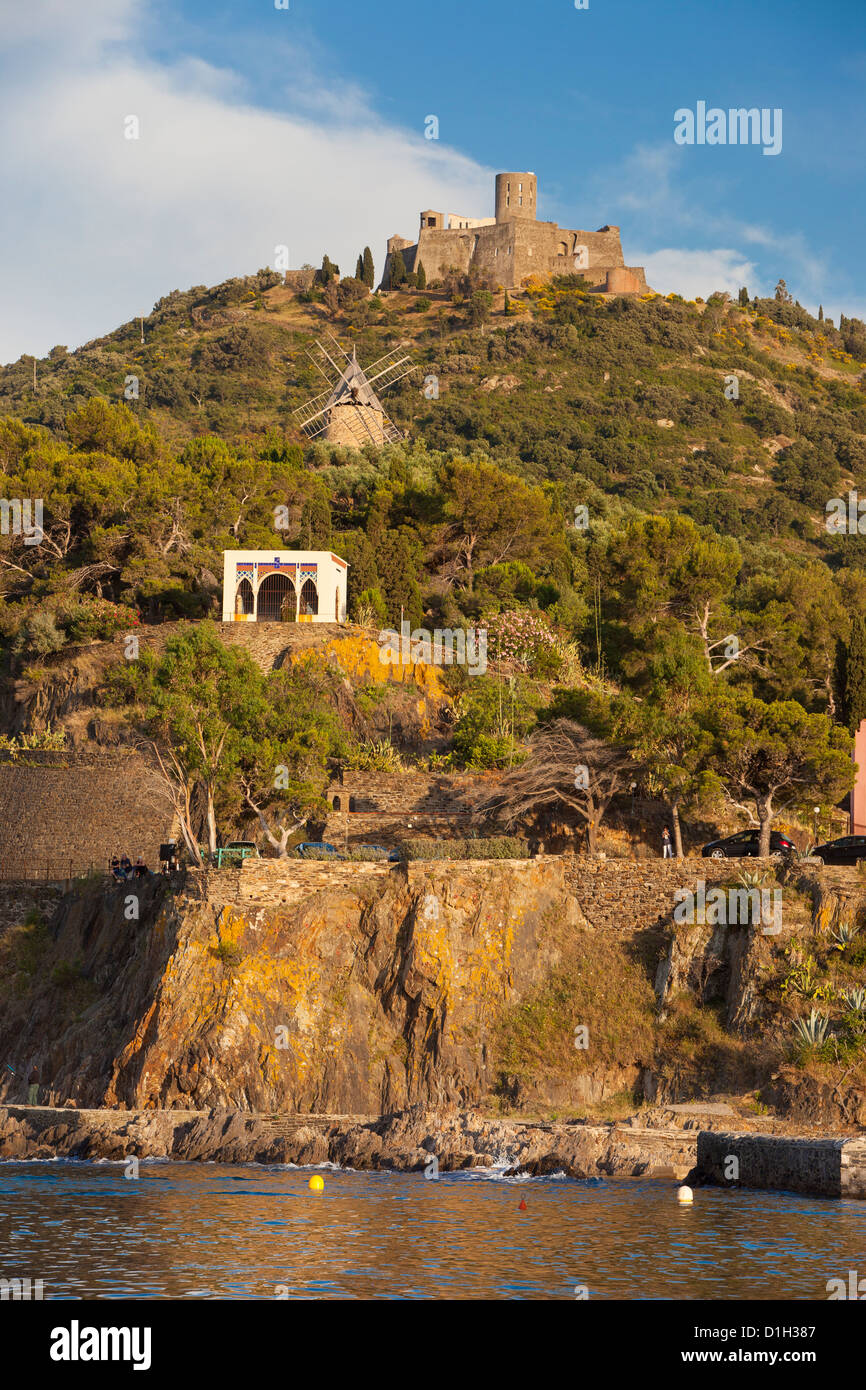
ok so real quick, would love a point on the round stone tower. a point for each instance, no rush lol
(516, 196)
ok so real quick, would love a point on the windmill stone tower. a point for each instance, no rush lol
(350, 412)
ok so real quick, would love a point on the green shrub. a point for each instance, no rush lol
(229, 954)
(66, 974)
(494, 847)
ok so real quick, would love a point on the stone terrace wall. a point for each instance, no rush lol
(287, 880)
(625, 895)
(619, 896)
(392, 807)
(62, 812)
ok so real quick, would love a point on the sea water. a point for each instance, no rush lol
(204, 1230)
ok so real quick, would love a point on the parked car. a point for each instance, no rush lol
(382, 851)
(744, 845)
(318, 849)
(847, 849)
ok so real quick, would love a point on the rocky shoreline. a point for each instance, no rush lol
(406, 1141)
(681, 1144)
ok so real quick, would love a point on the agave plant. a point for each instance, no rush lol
(375, 755)
(752, 878)
(854, 998)
(812, 1030)
(843, 935)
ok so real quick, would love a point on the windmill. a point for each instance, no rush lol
(350, 411)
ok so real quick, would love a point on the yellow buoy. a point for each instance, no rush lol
(684, 1194)
(316, 1184)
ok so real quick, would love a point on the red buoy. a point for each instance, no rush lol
(522, 1206)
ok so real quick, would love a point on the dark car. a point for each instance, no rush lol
(745, 846)
(382, 852)
(848, 849)
(318, 849)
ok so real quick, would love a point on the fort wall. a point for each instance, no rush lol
(517, 245)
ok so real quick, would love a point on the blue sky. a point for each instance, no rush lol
(305, 127)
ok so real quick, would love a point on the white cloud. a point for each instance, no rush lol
(698, 273)
(99, 226)
(651, 186)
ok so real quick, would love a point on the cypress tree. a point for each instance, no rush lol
(328, 271)
(421, 276)
(820, 313)
(400, 582)
(398, 269)
(359, 269)
(853, 672)
(744, 296)
(369, 274)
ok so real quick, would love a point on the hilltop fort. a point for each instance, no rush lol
(513, 244)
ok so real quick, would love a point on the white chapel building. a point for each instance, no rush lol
(271, 586)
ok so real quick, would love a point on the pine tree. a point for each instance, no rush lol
(421, 280)
(369, 273)
(853, 672)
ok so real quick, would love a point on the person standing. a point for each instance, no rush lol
(667, 846)
(33, 1086)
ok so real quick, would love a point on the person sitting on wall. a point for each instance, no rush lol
(140, 869)
(125, 866)
(115, 868)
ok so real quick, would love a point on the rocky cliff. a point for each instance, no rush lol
(364, 988)
(293, 986)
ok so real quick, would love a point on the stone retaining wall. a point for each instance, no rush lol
(61, 813)
(820, 1167)
(627, 895)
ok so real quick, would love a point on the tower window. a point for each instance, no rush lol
(520, 202)
(520, 188)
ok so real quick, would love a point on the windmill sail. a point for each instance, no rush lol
(351, 412)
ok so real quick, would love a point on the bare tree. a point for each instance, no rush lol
(276, 825)
(568, 769)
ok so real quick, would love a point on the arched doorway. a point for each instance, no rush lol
(244, 601)
(309, 600)
(276, 599)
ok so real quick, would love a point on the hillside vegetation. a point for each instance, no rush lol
(629, 494)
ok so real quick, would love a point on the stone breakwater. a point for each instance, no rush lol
(405, 1141)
